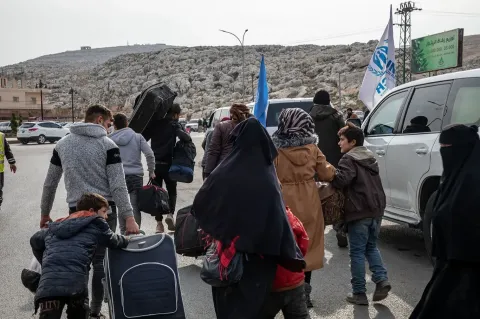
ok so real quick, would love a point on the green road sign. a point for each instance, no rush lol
(437, 52)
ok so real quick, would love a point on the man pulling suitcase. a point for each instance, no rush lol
(92, 163)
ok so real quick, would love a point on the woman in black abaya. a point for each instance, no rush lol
(241, 202)
(454, 290)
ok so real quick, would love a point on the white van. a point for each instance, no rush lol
(403, 130)
(273, 111)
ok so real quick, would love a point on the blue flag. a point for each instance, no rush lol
(261, 102)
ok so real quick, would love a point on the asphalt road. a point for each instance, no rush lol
(402, 250)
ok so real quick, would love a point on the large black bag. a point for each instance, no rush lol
(153, 200)
(152, 104)
(183, 162)
(188, 235)
(215, 275)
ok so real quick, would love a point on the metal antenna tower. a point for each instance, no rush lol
(404, 58)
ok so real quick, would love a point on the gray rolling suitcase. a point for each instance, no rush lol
(141, 281)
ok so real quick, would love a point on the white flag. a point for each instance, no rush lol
(380, 74)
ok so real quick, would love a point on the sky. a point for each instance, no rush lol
(31, 28)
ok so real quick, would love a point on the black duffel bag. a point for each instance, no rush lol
(153, 200)
(188, 235)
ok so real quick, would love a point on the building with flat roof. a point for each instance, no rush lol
(25, 102)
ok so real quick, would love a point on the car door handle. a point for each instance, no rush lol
(421, 151)
(380, 152)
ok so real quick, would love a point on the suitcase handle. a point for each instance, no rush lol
(142, 243)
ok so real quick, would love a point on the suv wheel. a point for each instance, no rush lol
(41, 139)
(24, 142)
(427, 226)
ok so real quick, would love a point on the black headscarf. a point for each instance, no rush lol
(242, 197)
(456, 221)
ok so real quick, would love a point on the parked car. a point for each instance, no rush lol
(41, 132)
(403, 130)
(5, 127)
(192, 125)
(274, 108)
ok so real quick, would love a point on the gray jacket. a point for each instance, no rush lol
(131, 146)
(91, 163)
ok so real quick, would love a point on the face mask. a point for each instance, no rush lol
(448, 158)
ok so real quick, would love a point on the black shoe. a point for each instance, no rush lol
(342, 240)
(308, 291)
(358, 299)
(381, 290)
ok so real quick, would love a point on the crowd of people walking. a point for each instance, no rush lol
(259, 205)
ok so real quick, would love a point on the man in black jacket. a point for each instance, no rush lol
(65, 250)
(163, 134)
(328, 121)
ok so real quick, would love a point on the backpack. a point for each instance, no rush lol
(188, 235)
(183, 162)
(153, 200)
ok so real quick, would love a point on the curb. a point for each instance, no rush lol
(13, 141)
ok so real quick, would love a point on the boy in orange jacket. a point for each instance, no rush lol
(288, 291)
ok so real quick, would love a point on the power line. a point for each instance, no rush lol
(340, 35)
(451, 13)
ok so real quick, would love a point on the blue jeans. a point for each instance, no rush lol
(362, 237)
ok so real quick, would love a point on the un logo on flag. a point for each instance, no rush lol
(379, 61)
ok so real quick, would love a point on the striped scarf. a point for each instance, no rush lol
(295, 122)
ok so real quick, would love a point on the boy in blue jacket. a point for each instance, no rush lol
(65, 250)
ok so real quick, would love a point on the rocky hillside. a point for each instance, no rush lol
(208, 77)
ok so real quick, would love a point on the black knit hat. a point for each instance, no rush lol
(322, 98)
(459, 134)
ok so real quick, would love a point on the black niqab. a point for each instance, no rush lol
(456, 221)
(454, 290)
(242, 197)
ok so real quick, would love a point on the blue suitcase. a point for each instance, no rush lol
(141, 281)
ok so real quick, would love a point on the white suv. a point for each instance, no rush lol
(41, 132)
(403, 131)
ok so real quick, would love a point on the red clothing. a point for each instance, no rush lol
(285, 279)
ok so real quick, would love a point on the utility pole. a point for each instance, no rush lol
(404, 60)
(243, 56)
(40, 86)
(339, 92)
(72, 91)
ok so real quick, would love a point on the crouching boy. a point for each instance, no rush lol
(288, 291)
(358, 175)
(65, 250)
